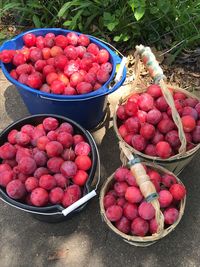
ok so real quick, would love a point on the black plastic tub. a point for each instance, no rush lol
(51, 213)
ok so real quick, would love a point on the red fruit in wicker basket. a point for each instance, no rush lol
(157, 137)
(130, 179)
(163, 149)
(123, 130)
(133, 195)
(130, 211)
(108, 201)
(121, 201)
(171, 215)
(153, 226)
(165, 125)
(139, 227)
(150, 150)
(154, 90)
(196, 135)
(147, 131)
(165, 198)
(123, 225)
(188, 123)
(154, 116)
(190, 111)
(154, 175)
(141, 115)
(168, 180)
(146, 211)
(161, 104)
(172, 138)
(131, 108)
(192, 102)
(179, 95)
(120, 188)
(133, 125)
(145, 102)
(114, 213)
(120, 174)
(139, 142)
(178, 191)
(121, 114)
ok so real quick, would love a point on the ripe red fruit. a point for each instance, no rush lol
(82, 148)
(80, 51)
(190, 111)
(179, 95)
(133, 125)
(90, 78)
(40, 42)
(6, 56)
(24, 68)
(83, 40)
(138, 142)
(147, 131)
(31, 183)
(56, 195)
(192, 102)
(103, 56)
(133, 195)
(68, 154)
(66, 127)
(54, 164)
(78, 138)
(157, 137)
(56, 51)
(123, 131)
(71, 195)
(22, 152)
(145, 102)
(154, 116)
(165, 198)
(63, 78)
(178, 191)
(5, 167)
(84, 88)
(27, 165)
(141, 115)
(153, 226)
(121, 201)
(22, 139)
(71, 67)
(154, 90)
(123, 225)
(171, 215)
(130, 179)
(139, 227)
(42, 142)
(154, 175)
(61, 180)
(130, 211)
(52, 135)
(12, 136)
(61, 41)
(34, 80)
(23, 78)
(54, 149)
(172, 138)
(50, 124)
(19, 59)
(76, 78)
(14, 74)
(120, 188)
(68, 169)
(60, 61)
(168, 180)
(120, 174)
(196, 135)
(57, 87)
(40, 64)
(28, 129)
(47, 182)
(7, 151)
(39, 197)
(146, 211)
(6, 176)
(188, 123)
(72, 38)
(70, 91)
(114, 213)
(16, 189)
(93, 48)
(71, 52)
(35, 54)
(131, 108)
(107, 67)
(165, 125)
(48, 69)
(65, 139)
(40, 171)
(46, 53)
(163, 149)
(102, 76)
(128, 138)
(51, 77)
(83, 163)
(161, 104)
(150, 150)
(80, 178)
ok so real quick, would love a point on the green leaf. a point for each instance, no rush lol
(67, 23)
(110, 21)
(139, 13)
(64, 8)
(131, 4)
(36, 21)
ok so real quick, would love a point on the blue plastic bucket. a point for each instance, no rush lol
(88, 109)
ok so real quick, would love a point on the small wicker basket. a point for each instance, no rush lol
(147, 240)
(177, 162)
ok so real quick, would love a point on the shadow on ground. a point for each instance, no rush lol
(14, 105)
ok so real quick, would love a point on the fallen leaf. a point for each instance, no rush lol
(58, 254)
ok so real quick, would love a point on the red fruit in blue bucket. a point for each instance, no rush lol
(61, 180)
(51, 77)
(54, 164)
(31, 183)
(6, 176)
(93, 48)
(178, 191)
(71, 195)
(56, 51)
(107, 67)
(14, 74)
(16, 189)
(35, 54)
(84, 88)
(90, 78)
(130, 211)
(61, 41)
(165, 198)
(83, 40)
(123, 225)
(83, 162)
(69, 90)
(24, 68)
(71, 52)
(49, 42)
(39, 197)
(171, 215)
(40, 42)
(71, 67)
(40, 64)
(48, 69)
(154, 116)
(72, 38)
(146, 211)
(6, 56)
(34, 80)
(133, 194)
(139, 227)
(145, 102)
(154, 90)
(103, 56)
(80, 50)
(7, 151)
(56, 195)
(46, 53)
(63, 78)
(76, 78)
(80, 178)
(19, 59)
(163, 149)
(57, 87)
(47, 182)
(102, 76)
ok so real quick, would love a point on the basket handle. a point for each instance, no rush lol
(147, 188)
(156, 73)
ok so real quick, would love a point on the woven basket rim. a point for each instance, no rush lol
(157, 159)
(128, 238)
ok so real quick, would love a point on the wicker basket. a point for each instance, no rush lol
(136, 240)
(175, 163)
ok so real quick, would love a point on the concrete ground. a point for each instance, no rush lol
(85, 240)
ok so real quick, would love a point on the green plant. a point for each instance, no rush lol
(123, 22)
